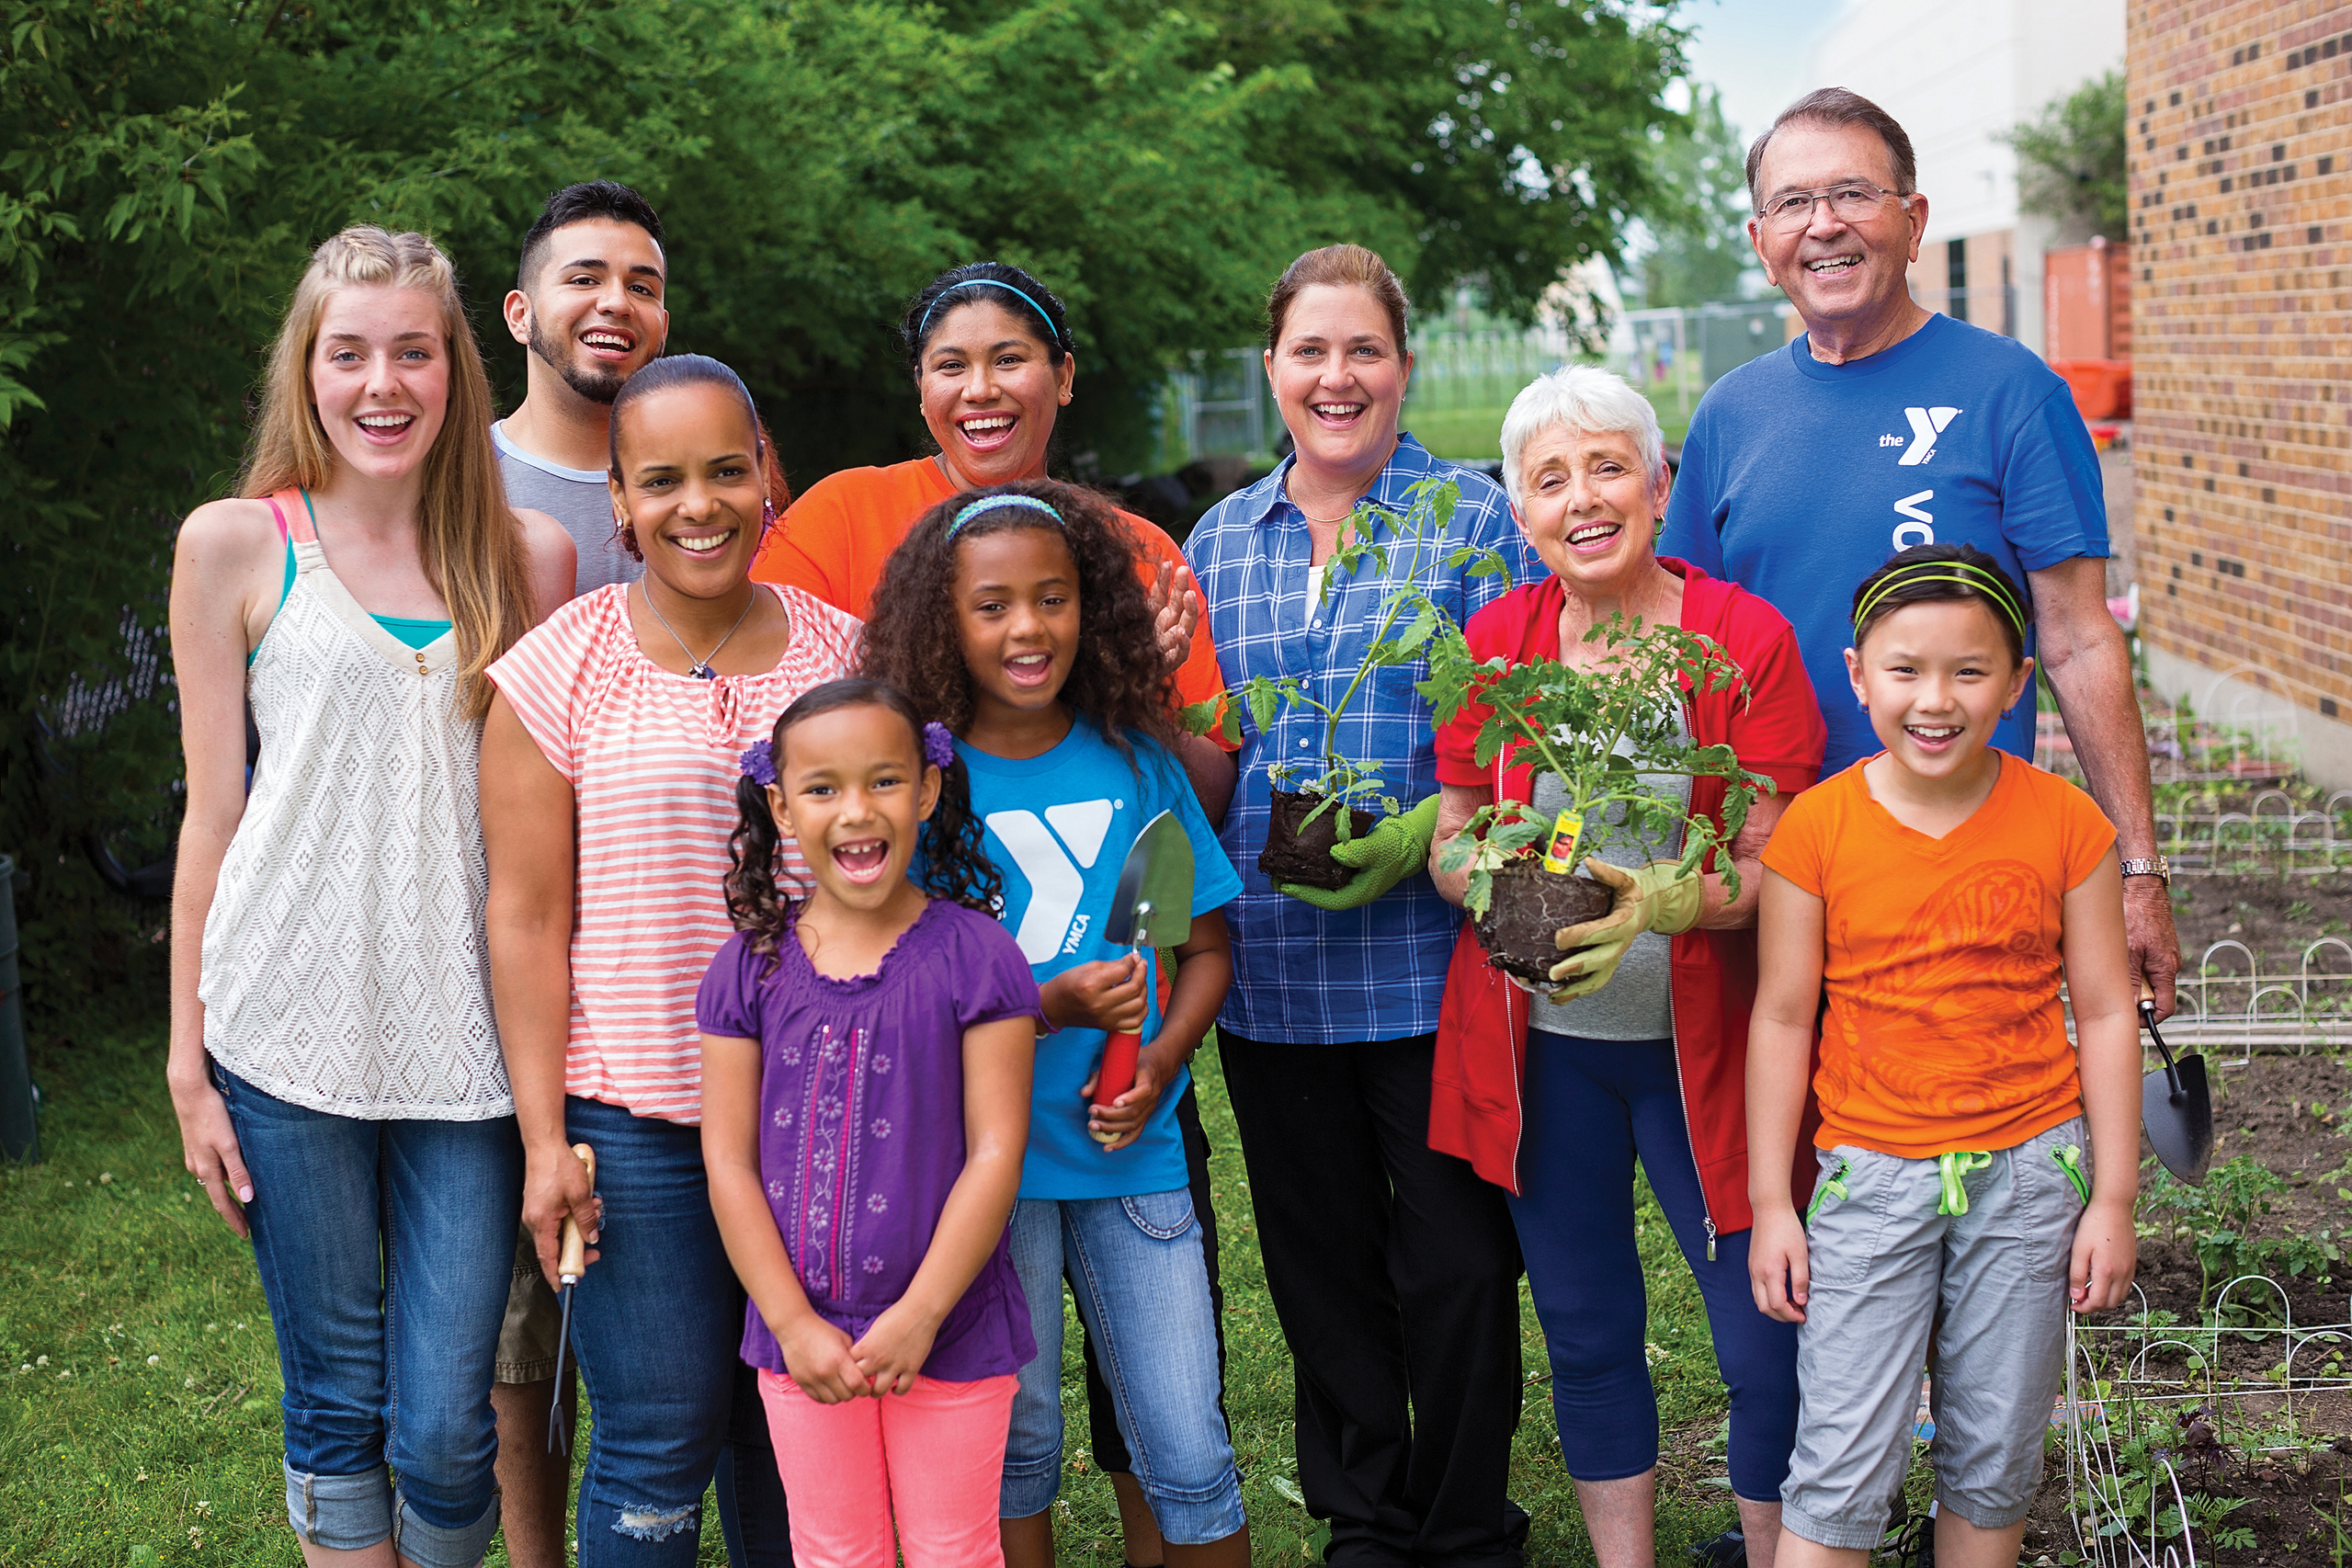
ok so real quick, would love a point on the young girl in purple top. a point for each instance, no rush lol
(866, 1055)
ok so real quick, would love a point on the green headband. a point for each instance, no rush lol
(1967, 573)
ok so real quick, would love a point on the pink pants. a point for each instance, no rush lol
(933, 1458)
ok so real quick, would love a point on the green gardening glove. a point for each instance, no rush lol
(1393, 851)
(1660, 897)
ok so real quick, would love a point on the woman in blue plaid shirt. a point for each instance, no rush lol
(1394, 1269)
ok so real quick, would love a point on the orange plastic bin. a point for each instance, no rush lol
(2102, 388)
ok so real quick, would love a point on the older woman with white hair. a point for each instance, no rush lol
(1554, 1099)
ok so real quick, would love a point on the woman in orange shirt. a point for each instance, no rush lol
(993, 363)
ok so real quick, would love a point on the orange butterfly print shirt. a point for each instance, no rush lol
(1945, 1031)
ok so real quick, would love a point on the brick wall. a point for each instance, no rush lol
(2241, 157)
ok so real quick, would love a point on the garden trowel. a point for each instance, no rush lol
(1152, 908)
(2176, 1106)
(572, 1264)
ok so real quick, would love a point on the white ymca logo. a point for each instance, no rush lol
(1053, 866)
(1926, 423)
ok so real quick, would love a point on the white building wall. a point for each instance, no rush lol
(1956, 75)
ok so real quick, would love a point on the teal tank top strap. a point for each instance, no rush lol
(412, 632)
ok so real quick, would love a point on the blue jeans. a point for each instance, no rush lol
(377, 1246)
(1142, 1292)
(1591, 1107)
(656, 1324)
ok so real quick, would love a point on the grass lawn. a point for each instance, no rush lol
(139, 1393)
(1466, 434)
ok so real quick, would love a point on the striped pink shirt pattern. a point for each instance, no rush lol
(652, 760)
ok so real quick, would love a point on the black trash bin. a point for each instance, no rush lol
(19, 1137)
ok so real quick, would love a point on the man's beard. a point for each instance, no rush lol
(596, 384)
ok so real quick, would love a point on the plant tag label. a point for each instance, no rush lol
(1560, 854)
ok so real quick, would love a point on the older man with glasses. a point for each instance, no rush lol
(1884, 426)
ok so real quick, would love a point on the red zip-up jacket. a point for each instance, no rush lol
(1774, 727)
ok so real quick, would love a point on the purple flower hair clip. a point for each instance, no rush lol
(758, 764)
(939, 747)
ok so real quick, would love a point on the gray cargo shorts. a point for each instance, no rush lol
(527, 1348)
(1892, 1266)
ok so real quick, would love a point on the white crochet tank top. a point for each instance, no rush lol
(345, 967)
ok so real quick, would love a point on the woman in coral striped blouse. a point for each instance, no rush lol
(608, 766)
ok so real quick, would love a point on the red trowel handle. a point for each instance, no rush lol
(1118, 1074)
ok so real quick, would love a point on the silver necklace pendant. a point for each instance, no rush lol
(704, 672)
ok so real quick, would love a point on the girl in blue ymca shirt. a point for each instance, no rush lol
(1018, 613)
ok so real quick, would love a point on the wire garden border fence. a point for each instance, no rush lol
(2229, 1003)
(2123, 1426)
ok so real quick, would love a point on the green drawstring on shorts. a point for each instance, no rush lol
(2070, 1160)
(1954, 1166)
(1834, 1187)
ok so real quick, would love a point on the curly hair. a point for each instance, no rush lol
(955, 863)
(1118, 680)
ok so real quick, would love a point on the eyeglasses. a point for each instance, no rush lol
(1852, 201)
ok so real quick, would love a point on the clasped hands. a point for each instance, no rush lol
(831, 1367)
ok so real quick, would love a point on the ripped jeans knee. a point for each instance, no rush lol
(647, 1523)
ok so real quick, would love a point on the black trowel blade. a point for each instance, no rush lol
(2180, 1130)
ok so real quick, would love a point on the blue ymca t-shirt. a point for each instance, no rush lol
(1059, 827)
(1799, 479)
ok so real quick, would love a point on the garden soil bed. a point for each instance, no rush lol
(1530, 905)
(2276, 917)
(1304, 856)
(2288, 1112)
(2293, 1504)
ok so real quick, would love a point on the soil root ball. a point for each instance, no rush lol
(1529, 908)
(1293, 855)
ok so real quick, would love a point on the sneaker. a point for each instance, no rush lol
(1726, 1550)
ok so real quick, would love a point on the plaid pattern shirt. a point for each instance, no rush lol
(1301, 975)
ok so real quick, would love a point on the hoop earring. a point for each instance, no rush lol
(2009, 710)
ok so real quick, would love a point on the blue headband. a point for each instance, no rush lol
(998, 504)
(1052, 333)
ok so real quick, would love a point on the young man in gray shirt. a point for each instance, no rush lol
(587, 303)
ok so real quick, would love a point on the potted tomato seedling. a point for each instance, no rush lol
(1599, 731)
(1334, 798)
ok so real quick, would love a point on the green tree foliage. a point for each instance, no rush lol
(2069, 159)
(1698, 219)
(166, 165)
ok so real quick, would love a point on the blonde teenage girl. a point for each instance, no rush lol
(333, 1060)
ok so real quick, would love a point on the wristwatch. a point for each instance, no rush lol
(2155, 866)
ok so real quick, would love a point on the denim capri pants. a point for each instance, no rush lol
(1143, 1289)
(383, 1251)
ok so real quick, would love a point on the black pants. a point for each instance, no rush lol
(1102, 1416)
(1394, 1271)
(751, 1515)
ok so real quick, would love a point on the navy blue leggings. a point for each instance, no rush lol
(1592, 1106)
